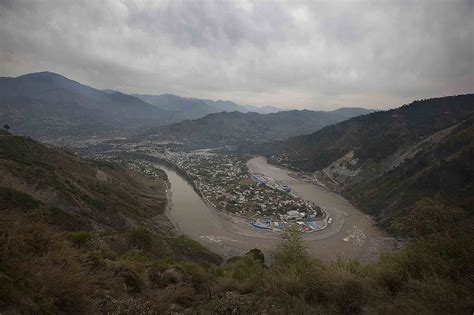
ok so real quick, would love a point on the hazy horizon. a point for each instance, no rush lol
(316, 55)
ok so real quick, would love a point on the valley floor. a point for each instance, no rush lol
(351, 233)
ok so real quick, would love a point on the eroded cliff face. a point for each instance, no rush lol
(436, 167)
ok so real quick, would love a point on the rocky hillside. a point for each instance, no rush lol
(237, 128)
(386, 162)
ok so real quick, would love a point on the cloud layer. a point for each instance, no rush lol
(313, 54)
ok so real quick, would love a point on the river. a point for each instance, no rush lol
(351, 233)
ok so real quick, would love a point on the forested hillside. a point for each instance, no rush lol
(440, 172)
(377, 135)
(235, 128)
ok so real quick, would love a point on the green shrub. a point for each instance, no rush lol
(244, 274)
(256, 254)
(186, 248)
(185, 295)
(392, 270)
(81, 238)
(291, 253)
(164, 278)
(132, 280)
(44, 214)
(13, 199)
(194, 273)
(427, 216)
(140, 238)
(135, 255)
(164, 263)
(345, 292)
(93, 202)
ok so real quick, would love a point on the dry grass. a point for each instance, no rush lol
(40, 271)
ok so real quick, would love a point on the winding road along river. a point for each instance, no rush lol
(351, 234)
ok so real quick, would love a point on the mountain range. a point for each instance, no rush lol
(193, 108)
(51, 107)
(236, 128)
(46, 104)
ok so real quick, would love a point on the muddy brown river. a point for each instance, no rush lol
(351, 233)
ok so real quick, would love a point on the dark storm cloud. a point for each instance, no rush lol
(318, 54)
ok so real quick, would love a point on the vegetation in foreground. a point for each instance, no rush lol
(44, 269)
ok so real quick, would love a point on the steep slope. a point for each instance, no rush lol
(237, 128)
(77, 194)
(439, 168)
(73, 232)
(386, 162)
(49, 105)
(377, 135)
(89, 195)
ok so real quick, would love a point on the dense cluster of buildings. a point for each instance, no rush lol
(225, 183)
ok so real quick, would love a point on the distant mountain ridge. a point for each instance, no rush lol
(193, 108)
(51, 107)
(47, 104)
(236, 128)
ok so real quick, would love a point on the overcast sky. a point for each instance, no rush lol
(295, 54)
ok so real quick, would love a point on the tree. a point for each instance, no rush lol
(426, 217)
(292, 253)
(6, 127)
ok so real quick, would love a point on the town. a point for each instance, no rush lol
(224, 183)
